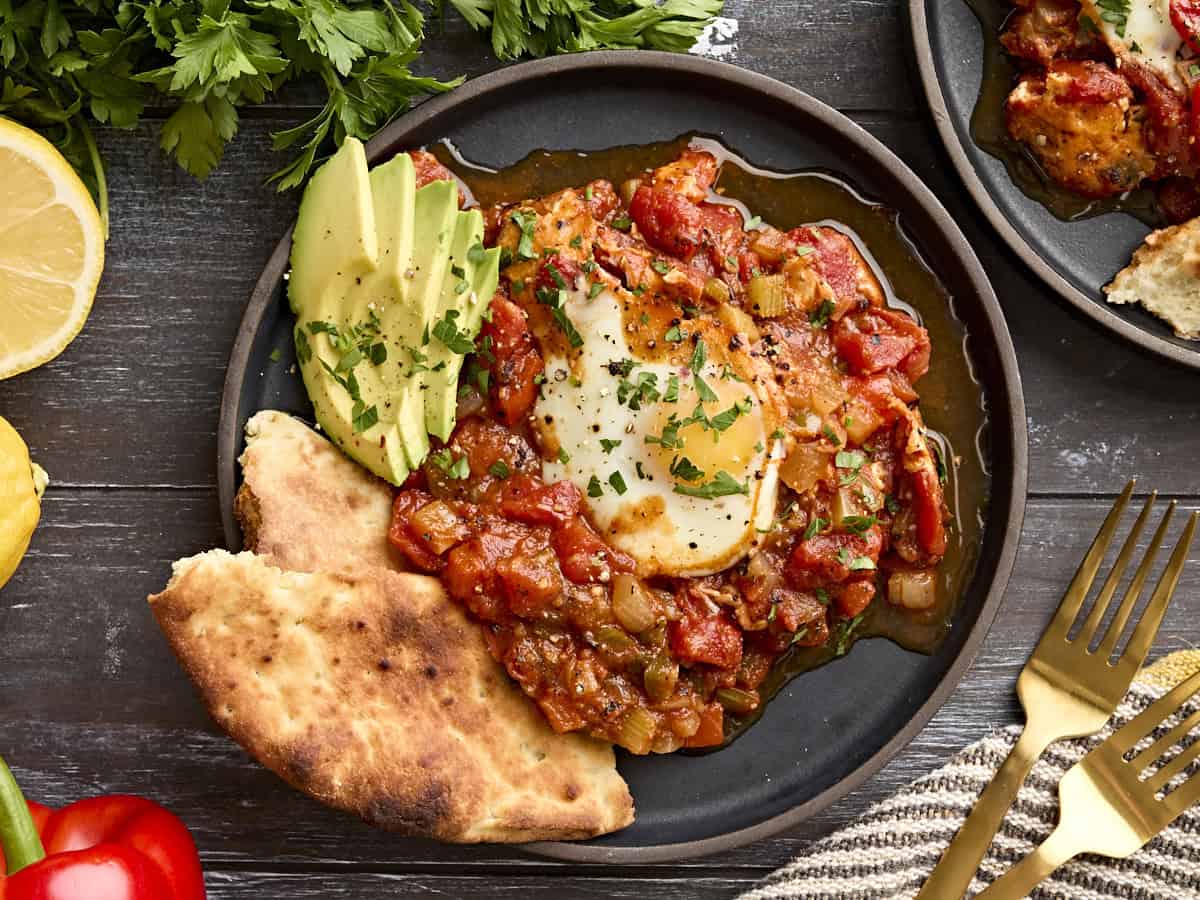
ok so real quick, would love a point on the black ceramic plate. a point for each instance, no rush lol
(1076, 258)
(834, 727)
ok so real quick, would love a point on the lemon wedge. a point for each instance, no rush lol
(22, 483)
(51, 250)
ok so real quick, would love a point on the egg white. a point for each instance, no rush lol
(579, 408)
(1149, 39)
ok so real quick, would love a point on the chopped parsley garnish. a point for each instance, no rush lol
(672, 392)
(476, 254)
(731, 264)
(777, 434)
(861, 563)
(706, 394)
(526, 222)
(622, 222)
(518, 285)
(723, 485)
(608, 445)
(349, 360)
(555, 300)
(595, 289)
(363, 417)
(500, 469)
(594, 489)
(554, 273)
(563, 456)
(303, 349)
(892, 504)
(822, 596)
(725, 418)
(675, 334)
(660, 266)
(635, 394)
(831, 435)
(805, 249)
(753, 222)
(843, 641)
(446, 331)
(819, 317)
(858, 524)
(699, 356)
(685, 470)
(815, 527)
(276, 355)
(640, 474)
(1115, 13)
(618, 483)
(587, 193)
(577, 241)
(455, 468)
(669, 439)
(457, 271)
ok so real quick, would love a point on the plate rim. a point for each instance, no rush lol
(1098, 312)
(1014, 427)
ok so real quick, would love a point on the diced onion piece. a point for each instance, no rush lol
(916, 590)
(768, 295)
(629, 188)
(660, 677)
(637, 731)
(632, 604)
(847, 503)
(716, 290)
(807, 464)
(438, 526)
(861, 420)
(771, 244)
(738, 321)
(685, 723)
(825, 396)
(737, 701)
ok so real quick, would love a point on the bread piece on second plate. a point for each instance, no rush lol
(1164, 277)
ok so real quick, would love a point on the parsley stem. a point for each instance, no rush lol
(97, 170)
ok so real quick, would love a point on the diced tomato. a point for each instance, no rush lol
(690, 176)
(722, 233)
(1195, 116)
(531, 580)
(400, 536)
(561, 715)
(1088, 81)
(584, 557)
(712, 727)
(1179, 198)
(667, 221)
(526, 499)
(1185, 16)
(604, 199)
(706, 637)
(1171, 135)
(878, 339)
(471, 568)
(927, 504)
(428, 169)
(854, 597)
(515, 361)
(438, 526)
(837, 262)
(559, 273)
(825, 558)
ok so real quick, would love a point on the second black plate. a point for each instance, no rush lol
(1076, 259)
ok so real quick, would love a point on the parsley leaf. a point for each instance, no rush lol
(723, 485)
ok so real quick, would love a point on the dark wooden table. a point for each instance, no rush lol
(91, 700)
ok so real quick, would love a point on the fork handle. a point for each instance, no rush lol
(954, 871)
(1022, 878)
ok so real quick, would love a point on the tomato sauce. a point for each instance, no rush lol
(657, 664)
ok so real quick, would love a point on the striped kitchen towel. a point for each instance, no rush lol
(889, 851)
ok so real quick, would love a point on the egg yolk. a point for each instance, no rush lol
(710, 449)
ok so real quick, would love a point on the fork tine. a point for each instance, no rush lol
(1183, 797)
(1173, 767)
(1166, 742)
(1100, 607)
(1147, 628)
(1082, 582)
(1144, 723)
(1134, 591)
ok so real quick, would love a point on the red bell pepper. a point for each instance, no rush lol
(102, 848)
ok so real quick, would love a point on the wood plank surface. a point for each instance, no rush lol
(91, 699)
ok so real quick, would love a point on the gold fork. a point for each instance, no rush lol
(1066, 690)
(1106, 806)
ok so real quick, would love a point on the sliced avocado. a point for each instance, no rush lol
(334, 240)
(467, 293)
(389, 285)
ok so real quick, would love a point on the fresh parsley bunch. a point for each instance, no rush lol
(541, 27)
(66, 62)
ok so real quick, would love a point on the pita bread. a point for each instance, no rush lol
(308, 505)
(1164, 277)
(376, 695)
